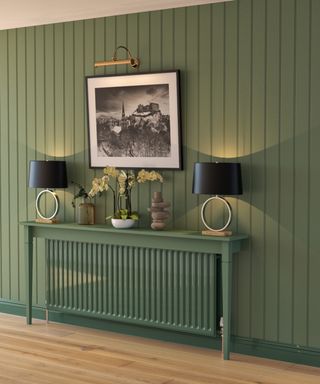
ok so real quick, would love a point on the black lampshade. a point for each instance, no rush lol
(222, 179)
(47, 174)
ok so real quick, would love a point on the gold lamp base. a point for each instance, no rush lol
(220, 232)
(46, 221)
(42, 218)
(217, 233)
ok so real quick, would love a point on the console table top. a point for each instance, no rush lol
(105, 228)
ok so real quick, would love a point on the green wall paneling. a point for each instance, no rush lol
(179, 178)
(286, 144)
(249, 92)
(314, 202)
(272, 173)
(242, 268)
(301, 172)
(4, 142)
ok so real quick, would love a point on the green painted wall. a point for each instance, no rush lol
(250, 90)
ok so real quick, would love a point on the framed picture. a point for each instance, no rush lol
(134, 120)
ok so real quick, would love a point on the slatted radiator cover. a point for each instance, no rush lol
(168, 289)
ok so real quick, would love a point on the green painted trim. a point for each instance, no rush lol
(18, 309)
(277, 351)
(253, 347)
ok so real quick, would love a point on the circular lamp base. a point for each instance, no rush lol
(217, 231)
(42, 217)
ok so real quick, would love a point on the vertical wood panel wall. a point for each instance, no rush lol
(250, 91)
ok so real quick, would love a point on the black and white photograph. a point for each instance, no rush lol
(134, 120)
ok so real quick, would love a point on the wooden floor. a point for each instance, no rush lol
(65, 354)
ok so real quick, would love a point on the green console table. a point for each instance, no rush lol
(172, 242)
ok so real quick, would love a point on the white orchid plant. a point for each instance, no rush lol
(122, 187)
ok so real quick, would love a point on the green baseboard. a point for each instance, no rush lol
(247, 346)
(276, 351)
(14, 308)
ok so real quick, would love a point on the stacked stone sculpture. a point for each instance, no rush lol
(159, 211)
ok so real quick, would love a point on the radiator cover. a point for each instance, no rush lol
(152, 287)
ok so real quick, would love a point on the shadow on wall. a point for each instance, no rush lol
(270, 177)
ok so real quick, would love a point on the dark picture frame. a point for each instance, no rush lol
(134, 120)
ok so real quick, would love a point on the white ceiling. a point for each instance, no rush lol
(23, 13)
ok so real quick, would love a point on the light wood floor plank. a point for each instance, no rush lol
(64, 354)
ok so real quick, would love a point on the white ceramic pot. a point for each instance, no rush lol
(122, 224)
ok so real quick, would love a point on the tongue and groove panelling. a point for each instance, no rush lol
(250, 90)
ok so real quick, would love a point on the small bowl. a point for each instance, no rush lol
(123, 224)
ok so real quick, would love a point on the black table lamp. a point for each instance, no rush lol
(49, 175)
(218, 179)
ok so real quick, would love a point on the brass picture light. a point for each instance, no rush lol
(133, 61)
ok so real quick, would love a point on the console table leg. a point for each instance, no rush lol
(226, 264)
(29, 270)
